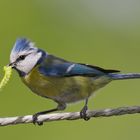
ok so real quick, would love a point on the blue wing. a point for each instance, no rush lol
(53, 66)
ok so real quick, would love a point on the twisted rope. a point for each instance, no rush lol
(70, 116)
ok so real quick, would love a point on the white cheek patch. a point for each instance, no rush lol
(29, 62)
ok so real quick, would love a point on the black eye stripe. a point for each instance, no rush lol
(22, 57)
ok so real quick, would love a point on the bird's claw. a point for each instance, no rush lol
(83, 113)
(35, 120)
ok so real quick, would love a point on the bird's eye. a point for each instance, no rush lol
(22, 57)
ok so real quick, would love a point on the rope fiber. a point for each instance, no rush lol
(69, 115)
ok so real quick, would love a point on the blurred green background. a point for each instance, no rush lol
(99, 32)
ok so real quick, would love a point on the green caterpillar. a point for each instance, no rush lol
(7, 75)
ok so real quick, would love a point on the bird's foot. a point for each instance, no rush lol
(35, 119)
(83, 113)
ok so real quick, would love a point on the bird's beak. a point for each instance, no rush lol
(13, 65)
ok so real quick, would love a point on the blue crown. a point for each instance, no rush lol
(22, 44)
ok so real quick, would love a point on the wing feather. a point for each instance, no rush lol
(57, 67)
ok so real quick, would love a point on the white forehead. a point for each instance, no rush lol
(22, 47)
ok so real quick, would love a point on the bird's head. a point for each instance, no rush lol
(25, 56)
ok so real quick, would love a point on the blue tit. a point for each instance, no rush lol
(57, 79)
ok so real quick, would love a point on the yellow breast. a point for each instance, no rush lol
(67, 89)
(39, 84)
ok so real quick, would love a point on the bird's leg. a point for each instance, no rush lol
(35, 116)
(61, 106)
(84, 110)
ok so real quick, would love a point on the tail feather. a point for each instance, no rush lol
(116, 76)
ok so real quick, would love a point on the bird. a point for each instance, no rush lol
(57, 79)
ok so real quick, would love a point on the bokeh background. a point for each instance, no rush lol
(99, 32)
